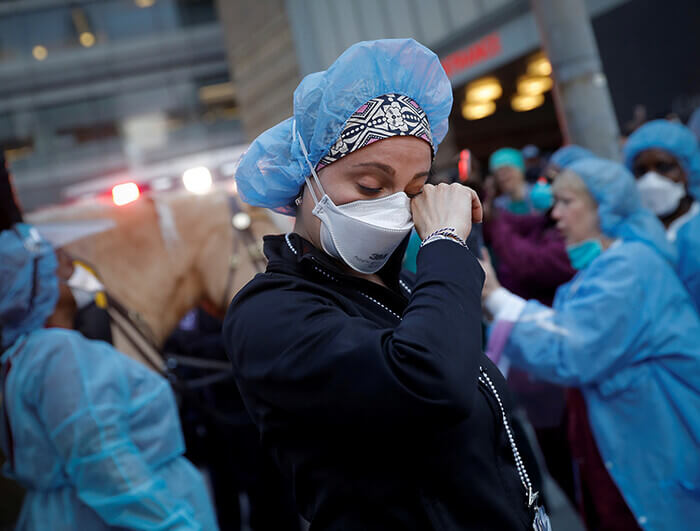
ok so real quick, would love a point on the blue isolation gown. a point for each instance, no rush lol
(92, 435)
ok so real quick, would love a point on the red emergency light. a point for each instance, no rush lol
(464, 165)
(125, 193)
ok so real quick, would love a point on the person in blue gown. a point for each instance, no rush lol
(92, 435)
(625, 333)
(665, 159)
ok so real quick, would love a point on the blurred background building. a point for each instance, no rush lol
(649, 52)
(93, 92)
(99, 91)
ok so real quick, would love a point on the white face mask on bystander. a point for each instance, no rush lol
(660, 194)
(83, 285)
(363, 234)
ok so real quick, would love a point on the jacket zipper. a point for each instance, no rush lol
(318, 268)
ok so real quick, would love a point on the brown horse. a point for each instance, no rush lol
(164, 256)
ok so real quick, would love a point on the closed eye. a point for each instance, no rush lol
(368, 190)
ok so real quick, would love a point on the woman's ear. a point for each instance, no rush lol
(306, 224)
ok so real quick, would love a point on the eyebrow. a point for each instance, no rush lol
(385, 168)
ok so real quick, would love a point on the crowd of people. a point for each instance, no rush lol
(621, 333)
(384, 359)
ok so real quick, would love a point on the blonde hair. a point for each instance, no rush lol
(569, 180)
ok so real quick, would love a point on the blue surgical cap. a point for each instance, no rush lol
(29, 283)
(567, 155)
(673, 138)
(619, 208)
(272, 172)
(506, 157)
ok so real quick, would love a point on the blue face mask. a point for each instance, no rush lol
(541, 195)
(582, 254)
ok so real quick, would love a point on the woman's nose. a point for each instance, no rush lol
(556, 211)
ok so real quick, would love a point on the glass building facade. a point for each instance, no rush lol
(95, 91)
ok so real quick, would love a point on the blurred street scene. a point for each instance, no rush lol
(122, 124)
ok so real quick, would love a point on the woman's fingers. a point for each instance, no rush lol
(442, 206)
(477, 209)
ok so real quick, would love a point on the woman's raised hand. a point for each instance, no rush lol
(446, 205)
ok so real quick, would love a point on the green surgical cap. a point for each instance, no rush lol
(506, 157)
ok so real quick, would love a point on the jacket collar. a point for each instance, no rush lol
(281, 257)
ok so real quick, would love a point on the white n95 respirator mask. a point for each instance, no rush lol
(660, 194)
(363, 234)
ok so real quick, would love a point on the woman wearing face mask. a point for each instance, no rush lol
(665, 158)
(624, 332)
(508, 167)
(373, 395)
(532, 258)
(89, 312)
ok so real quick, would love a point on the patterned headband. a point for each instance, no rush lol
(381, 117)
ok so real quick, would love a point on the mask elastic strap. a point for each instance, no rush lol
(306, 156)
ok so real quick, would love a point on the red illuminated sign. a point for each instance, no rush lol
(483, 49)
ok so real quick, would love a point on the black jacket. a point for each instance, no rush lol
(379, 421)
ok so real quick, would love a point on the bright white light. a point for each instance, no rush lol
(241, 221)
(197, 180)
(123, 194)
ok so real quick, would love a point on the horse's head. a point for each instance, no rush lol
(232, 254)
(165, 256)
